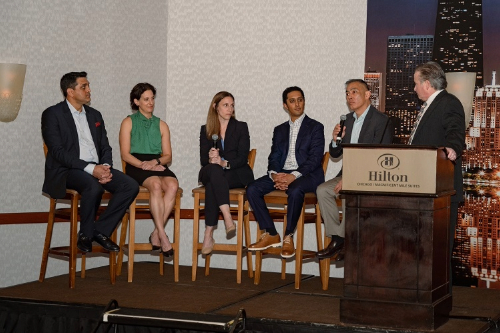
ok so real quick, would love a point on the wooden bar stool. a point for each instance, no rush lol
(237, 195)
(279, 197)
(141, 204)
(71, 251)
(326, 265)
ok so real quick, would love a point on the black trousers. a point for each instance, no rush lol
(123, 188)
(217, 182)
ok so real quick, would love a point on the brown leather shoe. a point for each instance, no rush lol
(331, 250)
(265, 241)
(287, 249)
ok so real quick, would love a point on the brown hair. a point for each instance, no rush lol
(213, 124)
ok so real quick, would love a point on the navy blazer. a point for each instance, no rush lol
(61, 137)
(377, 128)
(235, 151)
(309, 148)
(443, 125)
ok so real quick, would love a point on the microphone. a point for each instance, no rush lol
(339, 136)
(215, 137)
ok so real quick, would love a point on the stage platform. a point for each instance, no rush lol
(272, 306)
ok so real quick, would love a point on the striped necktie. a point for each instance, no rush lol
(415, 125)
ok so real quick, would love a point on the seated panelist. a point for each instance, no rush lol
(79, 158)
(145, 147)
(224, 148)
(294, 166)
(364, 124)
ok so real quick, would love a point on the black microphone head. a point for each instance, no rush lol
(215, 137)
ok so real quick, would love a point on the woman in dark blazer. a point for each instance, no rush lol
(224, 147)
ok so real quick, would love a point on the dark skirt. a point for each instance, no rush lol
(140, 175)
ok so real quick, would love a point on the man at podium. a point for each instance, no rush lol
(365, 124)
(440, 122)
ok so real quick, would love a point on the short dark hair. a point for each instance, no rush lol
(434, 73)
(137, 92)
(289, 90)
(363, 82)
(69, 81)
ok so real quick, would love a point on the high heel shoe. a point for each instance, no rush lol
(231, 231)
(154, 247)
(167, 253)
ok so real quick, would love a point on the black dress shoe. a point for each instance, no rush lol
(84, 243)
(340, 256)
(331, 250)
(105, 242)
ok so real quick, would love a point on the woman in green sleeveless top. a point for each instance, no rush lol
(145, 147)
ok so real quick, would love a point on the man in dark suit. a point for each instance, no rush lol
(294, 165)
(364, 124)
(79, 158)
(440, 122)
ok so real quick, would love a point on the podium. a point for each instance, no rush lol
(397, 260)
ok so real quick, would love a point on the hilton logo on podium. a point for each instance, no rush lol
(388, 161)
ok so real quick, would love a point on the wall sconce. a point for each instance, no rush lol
(462, 84)
(11, 90)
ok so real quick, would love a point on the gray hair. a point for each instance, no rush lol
(432, 72)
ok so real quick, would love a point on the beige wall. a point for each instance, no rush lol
(188, 49)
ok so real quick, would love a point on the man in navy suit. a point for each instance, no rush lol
(364, 124)
(79, 158)
(294, 166)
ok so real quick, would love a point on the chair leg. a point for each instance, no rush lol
(73, 235)
(83, 265)
(112, 261)
(239, 238)
(207, 264)
(246, 221)
(300, 246)
(177, 235)
(196, 231)
(131, 243)
(258, 260)
(283, 261)
(123, 236)
(48, 240)
(326, 268)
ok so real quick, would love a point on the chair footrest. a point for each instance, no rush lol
(146, 317)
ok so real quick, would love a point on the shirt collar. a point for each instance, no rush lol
(363, 116)
(432, 97)
(73, 110)
(298, 121)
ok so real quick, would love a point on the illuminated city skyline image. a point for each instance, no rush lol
(404, 34)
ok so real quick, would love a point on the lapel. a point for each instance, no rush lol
(91, 120)
(231, 126)
(304, 128)
(70, 121)
(431, 109)
(349, 123)
(366, 124)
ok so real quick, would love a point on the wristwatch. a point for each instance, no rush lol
(228, 166)
(158, 161)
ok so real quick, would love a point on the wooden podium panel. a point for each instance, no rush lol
(397, 260)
